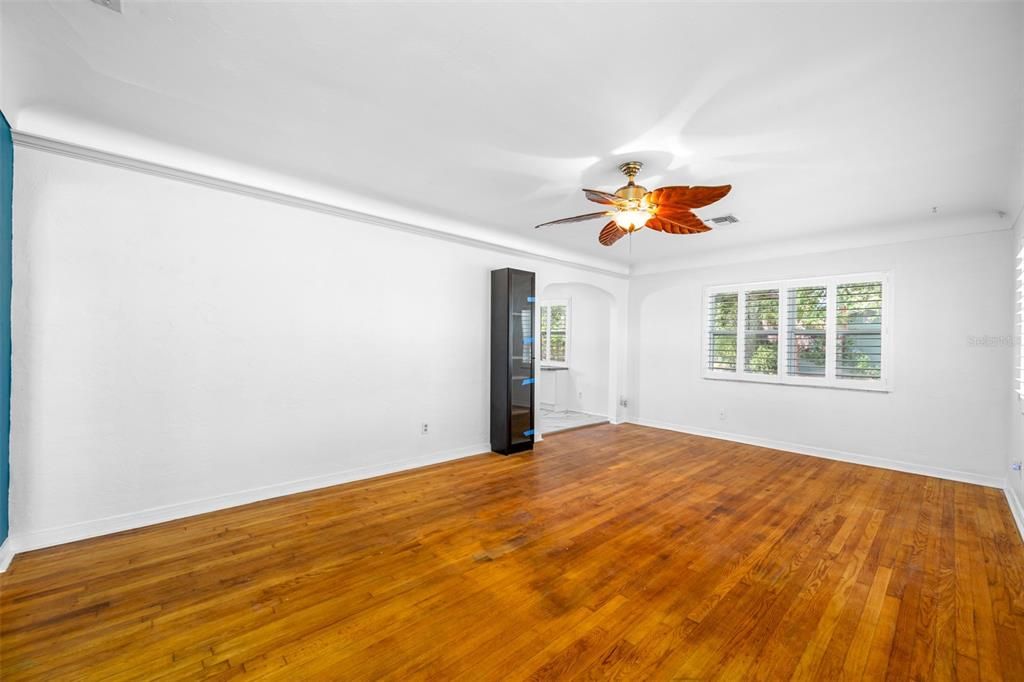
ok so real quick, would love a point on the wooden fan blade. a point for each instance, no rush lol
(662, 224)
(610, 234)
(680, 216)
(576, 219)
(605, 198)
(687, 197)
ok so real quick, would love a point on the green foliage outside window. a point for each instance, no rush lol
(807, 311)
(553, 332)
(859, 330)
(722, 334)
(761, 344)
(857, 339)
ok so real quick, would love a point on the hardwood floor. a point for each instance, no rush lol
(611, 552)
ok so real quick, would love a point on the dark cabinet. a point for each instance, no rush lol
(513, 360)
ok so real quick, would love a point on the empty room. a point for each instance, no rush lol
(511, 340)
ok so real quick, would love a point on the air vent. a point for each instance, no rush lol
(725, 219)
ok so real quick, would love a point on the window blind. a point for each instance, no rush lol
(859, 330)
(761, 332)
(806, 311)
(544, 317)
(722, 318)
(1020, 319)
(554, 331)
(818, 331)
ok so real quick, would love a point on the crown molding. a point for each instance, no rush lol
(836, 240)
(83, 153)
(823, 242)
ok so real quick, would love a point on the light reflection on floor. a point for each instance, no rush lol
(552, 421)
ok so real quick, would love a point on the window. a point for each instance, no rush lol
(1020, 323)
(554, 333)
(827, 331)
(859, 330)
(761, 331)
(722, 332)
(807, 310)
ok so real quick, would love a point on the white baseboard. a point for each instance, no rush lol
(6, 554)
(853, 458)
(49, 537)
(1016, 508)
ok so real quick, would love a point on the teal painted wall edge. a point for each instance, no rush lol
(6, 231)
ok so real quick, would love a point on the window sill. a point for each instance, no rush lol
(873, 387)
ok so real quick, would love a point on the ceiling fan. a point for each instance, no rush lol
(631, 207)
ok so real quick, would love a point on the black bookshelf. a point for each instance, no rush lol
(513, 302)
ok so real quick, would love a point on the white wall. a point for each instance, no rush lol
(1016, 402)
(179, 348)
(1009, 386)
(946, 412)
(589, 353)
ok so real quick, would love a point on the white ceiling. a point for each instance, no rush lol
(824, 117)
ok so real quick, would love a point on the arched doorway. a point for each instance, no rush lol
(575, 352)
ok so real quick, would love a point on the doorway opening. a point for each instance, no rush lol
(574, 348)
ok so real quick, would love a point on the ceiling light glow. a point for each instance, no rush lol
(632, 219)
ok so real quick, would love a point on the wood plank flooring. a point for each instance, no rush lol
(610, 552)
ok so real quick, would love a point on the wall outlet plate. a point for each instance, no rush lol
(424, 428)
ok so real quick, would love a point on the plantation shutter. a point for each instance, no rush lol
(761, 332)
(817, 331)
(859, 330)
(544, 317)
(554, 331)
(722, 319)
(1020, 318)
(557, 331)
(807, 315)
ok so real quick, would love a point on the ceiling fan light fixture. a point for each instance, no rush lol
(632, 207)
(632, 218)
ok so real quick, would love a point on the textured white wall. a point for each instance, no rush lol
(179, 348)
(946, 412)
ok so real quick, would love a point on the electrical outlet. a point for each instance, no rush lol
(623, 402)
(581, 395)
(1016, 466)
(425, 429)
(721, 415)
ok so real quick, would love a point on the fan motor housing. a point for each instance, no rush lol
(631, 192)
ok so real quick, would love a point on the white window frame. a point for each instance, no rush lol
(1018, 327)
(546, 351)
(883, 383)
